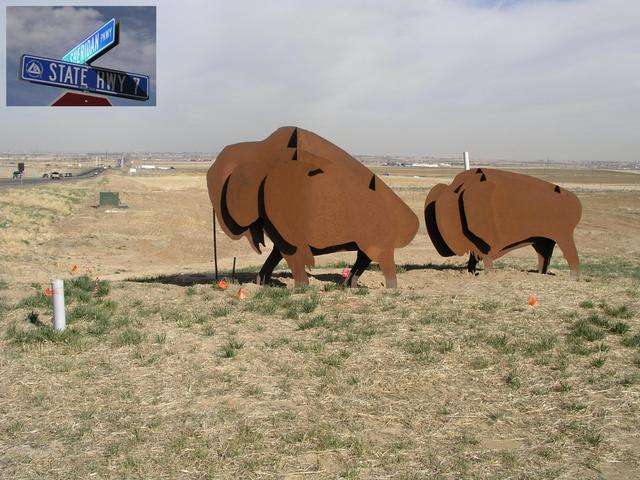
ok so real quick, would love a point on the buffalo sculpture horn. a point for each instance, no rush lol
(489, 212)
(310, 198)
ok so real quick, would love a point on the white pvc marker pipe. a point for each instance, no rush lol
(466, 161)
(59, 320)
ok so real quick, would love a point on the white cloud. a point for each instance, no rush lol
(520, 80)
(48, 32)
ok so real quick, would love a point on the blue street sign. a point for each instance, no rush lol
(57, 73)
(95, 45)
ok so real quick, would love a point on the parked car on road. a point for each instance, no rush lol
(68, 175)
(45, 175)
(17, 174)
(55, 176)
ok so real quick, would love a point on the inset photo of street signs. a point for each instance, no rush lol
(81, 56)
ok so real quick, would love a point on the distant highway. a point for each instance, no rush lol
(31, 182)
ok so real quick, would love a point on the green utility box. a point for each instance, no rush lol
(111, 199)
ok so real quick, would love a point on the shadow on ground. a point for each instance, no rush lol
(407, 267)
(190, 279)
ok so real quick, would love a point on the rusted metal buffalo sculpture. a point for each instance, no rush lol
(310, 198)
(489, 212)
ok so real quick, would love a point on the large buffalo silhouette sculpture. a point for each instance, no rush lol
(489, 212)
(310, 198)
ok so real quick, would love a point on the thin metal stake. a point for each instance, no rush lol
(233, 271)
(215, 246)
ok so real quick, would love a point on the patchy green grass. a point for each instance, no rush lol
(161, 338)
(290, 304)
(632, 341)
(230, 349)
(4, 305)
(296, 307)
(620, 311)
(312, 322)
(585, 329)
(336, 359)
(83, 287)
(129, 337)
(619, 328)
(543, 344)
(469, 439)
(598, 320)
(445, 346)
(587, 304)
(629, 379)
(208, 330)
(98, 314)
(592, 438)
(605, 268)
(501, 343)
(512, 379)
(322, 382)
(36, 300)
(489, 306)
(42, 334)
(419, 349)
(220, 311)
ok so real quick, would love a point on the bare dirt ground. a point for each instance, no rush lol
(162, 375)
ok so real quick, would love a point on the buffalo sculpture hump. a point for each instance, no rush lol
(310, 198)
(489, 212)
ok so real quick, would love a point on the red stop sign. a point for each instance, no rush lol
(78, 99)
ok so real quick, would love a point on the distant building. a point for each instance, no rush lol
(426, 165)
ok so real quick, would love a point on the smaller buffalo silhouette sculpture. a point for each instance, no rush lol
(489, 212)
(310, 198)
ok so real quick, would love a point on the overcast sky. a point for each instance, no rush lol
(520, 80)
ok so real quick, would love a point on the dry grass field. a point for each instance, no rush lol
(160, 374)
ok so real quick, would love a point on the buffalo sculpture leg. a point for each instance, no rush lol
(264, 277)
(297, 267)
(298, 270)
(570, 252)
(473, 261)
(388, 267)
(362, 262)
(544, 249)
